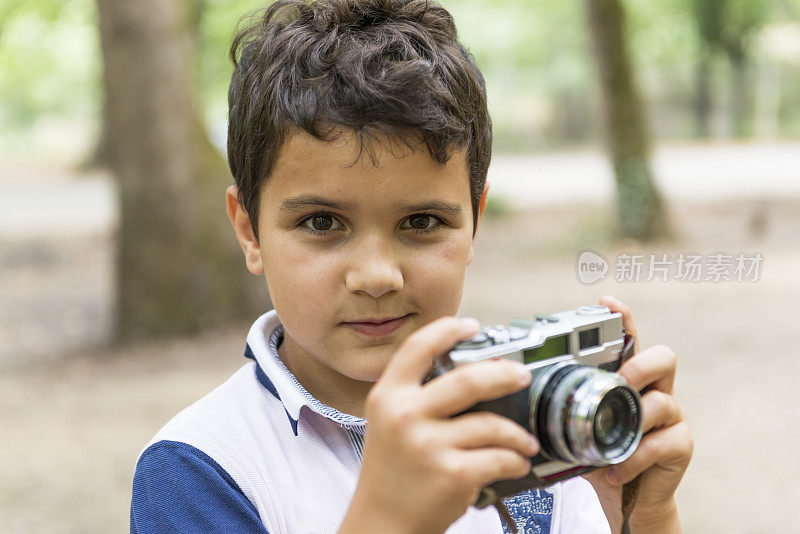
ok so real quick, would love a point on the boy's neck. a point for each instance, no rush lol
(326, 385)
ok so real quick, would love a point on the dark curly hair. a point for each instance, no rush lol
(378, 67)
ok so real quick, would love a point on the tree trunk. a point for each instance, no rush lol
(640, 207)
(709, 21)
(100, 156)
(703, 104)
(740, 93)
(178, 266)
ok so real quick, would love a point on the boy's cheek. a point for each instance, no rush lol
(448, 268)
(293, 264)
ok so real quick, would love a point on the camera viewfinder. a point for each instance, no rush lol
(589, 338)
(554, 346)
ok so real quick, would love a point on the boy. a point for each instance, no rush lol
(359, 142)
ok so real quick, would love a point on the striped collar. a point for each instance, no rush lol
(263, 340)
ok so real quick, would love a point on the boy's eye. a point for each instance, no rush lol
(418, 222)
(319, 223)
(421, 222)
(324, 223)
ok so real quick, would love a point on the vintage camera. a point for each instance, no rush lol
(583, 413)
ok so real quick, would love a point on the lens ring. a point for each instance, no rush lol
(604, 425)
(557, 395)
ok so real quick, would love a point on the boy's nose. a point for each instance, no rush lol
(374, 272)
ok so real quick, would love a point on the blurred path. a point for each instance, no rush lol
(691, 172)
(45, 201)
(34, 203)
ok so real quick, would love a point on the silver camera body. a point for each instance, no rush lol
(583, 413)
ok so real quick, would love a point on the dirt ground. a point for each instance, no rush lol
(74, 414)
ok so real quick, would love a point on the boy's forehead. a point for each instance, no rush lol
(342, 167)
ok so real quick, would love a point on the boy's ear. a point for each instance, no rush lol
(244, 231)
(481, 209)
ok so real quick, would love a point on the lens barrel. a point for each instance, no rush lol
(585, 415)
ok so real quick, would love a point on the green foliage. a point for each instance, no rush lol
(49, 64)
(49, 10)
(218, 21)
(724, 24)
(534, 56)
(708, 16)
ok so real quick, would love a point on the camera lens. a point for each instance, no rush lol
(585, 415)
(607, 421)
(616, 422)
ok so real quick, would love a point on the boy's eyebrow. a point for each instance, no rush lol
(294, 203)
(449, 208)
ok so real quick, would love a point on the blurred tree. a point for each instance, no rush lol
(728, 27)
(101, 156)
(708, 20)
(640, 208)
(179, 268)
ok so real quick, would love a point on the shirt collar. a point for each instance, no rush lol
(263, 339)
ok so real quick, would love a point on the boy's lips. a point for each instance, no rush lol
(377, 327)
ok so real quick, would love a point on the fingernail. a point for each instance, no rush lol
(612, 477)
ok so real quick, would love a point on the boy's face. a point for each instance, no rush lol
(343, 242)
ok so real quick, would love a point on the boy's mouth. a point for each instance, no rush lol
(377, 327)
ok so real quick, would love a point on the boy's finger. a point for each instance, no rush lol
(490, 464)
(414, 358)
(670, 448)
(659, 409)
(616, 305)
(486, 429)
(654, 367)
(466, 385)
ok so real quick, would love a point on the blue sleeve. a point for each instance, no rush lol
(178, 488)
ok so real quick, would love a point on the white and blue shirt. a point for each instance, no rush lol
(259, 454)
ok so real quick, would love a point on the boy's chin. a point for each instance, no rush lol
(372, 369)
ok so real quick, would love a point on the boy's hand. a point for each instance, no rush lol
(664, 452)
(422, 467)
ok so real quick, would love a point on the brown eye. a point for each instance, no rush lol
(322, 222)
(419, 222)
(424, 223)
